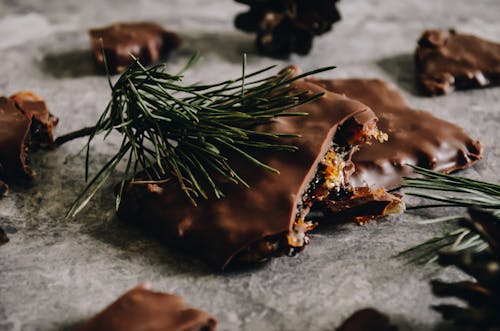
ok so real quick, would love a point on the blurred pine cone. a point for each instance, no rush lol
(482, 296)
(287, 26)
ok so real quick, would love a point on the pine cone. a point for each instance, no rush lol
(482, 295)
(287, 26)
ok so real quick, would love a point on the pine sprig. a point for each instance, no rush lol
(451, 191)
(189, 133)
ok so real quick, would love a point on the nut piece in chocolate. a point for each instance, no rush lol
(141, 309)
(25, 125)
(147, 41)
(447, 60)
(416, 137)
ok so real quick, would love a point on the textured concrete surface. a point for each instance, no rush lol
(56, 273)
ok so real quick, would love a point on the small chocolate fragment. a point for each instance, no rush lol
(143, 310)
(3, 237)
(367, 319)
(269, 218)
(149, 42)
(364, 205)
(4, 189)
(25, 125)
(447, 60)
(287, 26)
(416, 137)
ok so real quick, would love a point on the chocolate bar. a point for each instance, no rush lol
(148, 42)
(25, 125)
(143, 310)
(447, 60)
(269, 218)
(416, 137)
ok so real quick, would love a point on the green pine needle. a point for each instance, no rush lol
(190, 133)
(450, 191)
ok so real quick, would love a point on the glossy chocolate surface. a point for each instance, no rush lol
(143, 310)
(447, 60)
(149, 42)
(25, 124)
(218, 229)
(415, 136)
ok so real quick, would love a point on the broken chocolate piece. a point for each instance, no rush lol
(3, 237)
(148, 42)
(447, 60)
(143, 310)
(284, 26)
(364, 205)
(25, 125)
(268, 218)
(416, 137)
(367, 319)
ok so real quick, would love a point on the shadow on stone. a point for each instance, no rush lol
(226, 45)
(69, 64)
(402, 68)
(68, 326)
(137, 243)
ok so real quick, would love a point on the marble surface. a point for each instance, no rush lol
(56, 273)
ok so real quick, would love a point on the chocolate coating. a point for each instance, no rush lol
(220, 229)
(143, 310)
(447, 60)
(25, 124)
(146, 41)
(415, 136)
(367, 319)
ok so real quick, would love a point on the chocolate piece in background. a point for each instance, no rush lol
(415, 136)
(367, 319)
(25, 125)
(3, 237)
(447, 60)
(149, 42)
(141, 309)
(264, 220)
(284, 26)
(4, 189)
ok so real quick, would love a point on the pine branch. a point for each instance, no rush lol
(190, 133)
(451, 191)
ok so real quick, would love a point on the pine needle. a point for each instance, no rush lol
(187, 132)
(450, 191)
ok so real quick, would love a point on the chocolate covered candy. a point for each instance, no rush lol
(148, 42)
(447, 60)
(416, 137)
(143, 310)
(25, 125)
(269, 218)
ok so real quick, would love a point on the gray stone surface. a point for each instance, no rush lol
(56, 273)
